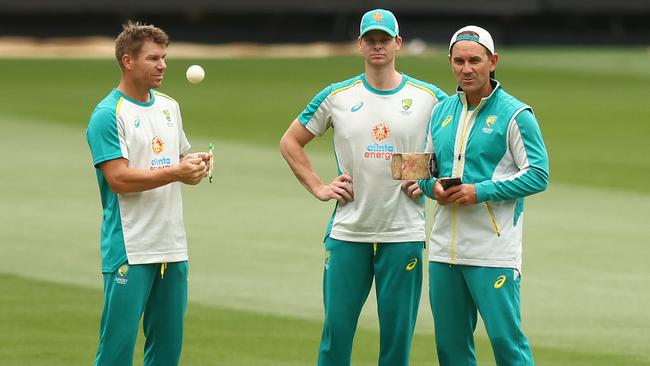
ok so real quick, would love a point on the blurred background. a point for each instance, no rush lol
(512, 22)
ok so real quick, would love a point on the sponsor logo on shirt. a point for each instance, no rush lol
(489, 122)
(356, 107)
(158, 146)
(380, 149)
(136, 122)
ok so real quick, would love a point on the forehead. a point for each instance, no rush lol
(152, 48)
(376, 34)
(468, 49)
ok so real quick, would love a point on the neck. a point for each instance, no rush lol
(133, 90)
(383, 78)
(475, 98)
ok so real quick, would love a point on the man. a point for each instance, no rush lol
(492, 141)
(137, 142)
(377, 228)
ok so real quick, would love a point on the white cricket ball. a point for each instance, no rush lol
(195, 74)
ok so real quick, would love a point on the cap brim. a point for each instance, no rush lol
(381, 28)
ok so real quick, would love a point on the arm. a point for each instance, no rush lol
(529, 153)
(292, 146)
(124, 179)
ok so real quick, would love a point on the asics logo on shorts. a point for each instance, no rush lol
(501, 280)
(412, 264)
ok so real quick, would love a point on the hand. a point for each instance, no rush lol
(340, 189)
(412, 189)
(462, 195)
(192, 169)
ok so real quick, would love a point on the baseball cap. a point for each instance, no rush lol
(483, 37)
(379, 19)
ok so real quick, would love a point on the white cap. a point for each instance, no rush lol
(483, 37)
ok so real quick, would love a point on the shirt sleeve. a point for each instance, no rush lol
(529, 153)
(317, 116)
(183, 143)
(105, 136)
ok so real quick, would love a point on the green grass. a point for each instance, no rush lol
(255, 251)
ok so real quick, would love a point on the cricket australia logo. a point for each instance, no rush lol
(121, 273)
(168, 118)
(406, 105)
(489, 122)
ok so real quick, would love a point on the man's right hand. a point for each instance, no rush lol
(192, 170)
(340, 189)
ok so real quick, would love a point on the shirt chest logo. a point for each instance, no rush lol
(168, 118)
(380, 149)
(489, 122)
(356, 107)
(446, 121)
(406, 105)
(157, 145)
(136, 122)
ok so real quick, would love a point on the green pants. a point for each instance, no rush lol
(349, 272)
(132, 291)
(456, 292)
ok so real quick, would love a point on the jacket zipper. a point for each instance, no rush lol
(495, 226)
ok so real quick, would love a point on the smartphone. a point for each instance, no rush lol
(450, 182)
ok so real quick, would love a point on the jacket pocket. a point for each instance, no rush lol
(493, 219)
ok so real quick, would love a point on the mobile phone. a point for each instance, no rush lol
(450, 182)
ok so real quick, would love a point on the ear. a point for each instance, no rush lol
(359, 40)
(494, 61)
(127, 61)
(398, 41)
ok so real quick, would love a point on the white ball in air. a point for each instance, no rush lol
(195, 74)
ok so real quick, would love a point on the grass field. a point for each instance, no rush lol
(255, 251)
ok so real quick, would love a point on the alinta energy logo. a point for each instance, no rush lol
(378, 17)
(158, 146)
(380, 149)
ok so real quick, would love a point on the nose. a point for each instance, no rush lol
(162, 65)
(467, 69)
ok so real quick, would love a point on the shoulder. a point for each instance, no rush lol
(106, 109)
(429, 88)
(508, 101)
(164, 98)
(345, 84)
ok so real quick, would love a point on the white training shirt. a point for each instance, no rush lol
(369, 127)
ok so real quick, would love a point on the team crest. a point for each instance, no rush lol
(407, 103)
(123, 270)
(490, 120)
(378, 17)
(157, 145)
(168, 117)
(380, 132)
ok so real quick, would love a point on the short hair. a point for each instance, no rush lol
(471, 33)
(134, 35)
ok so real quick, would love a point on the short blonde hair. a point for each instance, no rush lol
(134, 35)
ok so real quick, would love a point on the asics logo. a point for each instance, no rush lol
(356, 107)
(412, 264)
(446, 121)
(501, 280)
